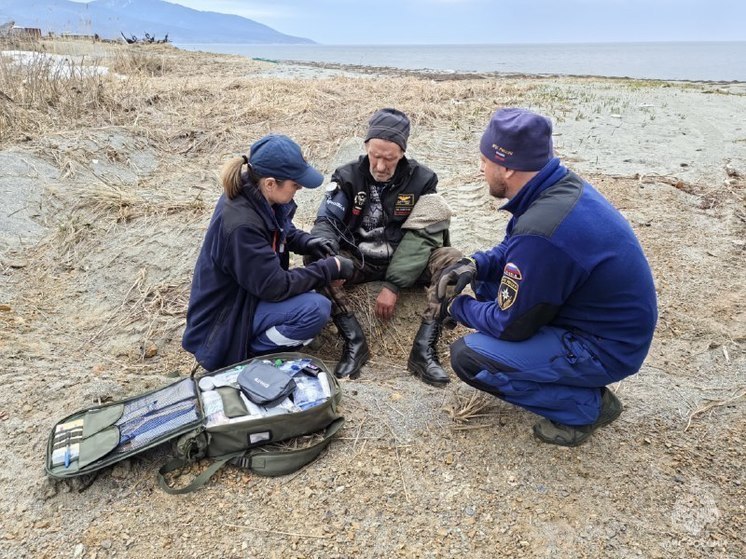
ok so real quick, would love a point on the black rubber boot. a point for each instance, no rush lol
(355, 352)
(423, 359)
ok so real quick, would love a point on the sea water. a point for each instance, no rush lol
(697, 61)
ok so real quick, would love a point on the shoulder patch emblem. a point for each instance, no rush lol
(507, 293)
(512, 271)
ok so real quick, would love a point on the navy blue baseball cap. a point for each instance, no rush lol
(518, 139)
(280, 157)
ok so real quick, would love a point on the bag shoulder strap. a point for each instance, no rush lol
(197, 482)
(265, 463)
(283, 462)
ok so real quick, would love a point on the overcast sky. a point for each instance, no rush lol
(492, 21)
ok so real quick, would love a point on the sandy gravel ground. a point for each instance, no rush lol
(101, 218)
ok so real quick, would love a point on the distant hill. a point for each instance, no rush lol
(109, 18)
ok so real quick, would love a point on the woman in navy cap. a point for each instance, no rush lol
(245, 300)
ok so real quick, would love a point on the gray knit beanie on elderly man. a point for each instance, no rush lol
(391, 125)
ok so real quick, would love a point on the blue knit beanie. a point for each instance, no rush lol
(518, 139)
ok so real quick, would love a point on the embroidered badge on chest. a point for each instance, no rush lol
(404, 204)
(508, 291)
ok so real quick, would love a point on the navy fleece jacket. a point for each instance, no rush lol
(244, 260)
(569, 259)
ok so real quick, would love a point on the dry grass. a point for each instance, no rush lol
(470, 405)
(147, 304)
(296, 443)
(141, 60)
(39, 93)
(181, 102)
(45, 89)
(126, 204)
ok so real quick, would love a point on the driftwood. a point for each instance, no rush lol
(148, 39)
(131, 40)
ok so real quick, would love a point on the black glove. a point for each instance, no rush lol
(459, 274)
(444, 314)
(320, 247)
(346, 267)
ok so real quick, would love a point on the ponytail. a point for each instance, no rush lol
(231, 178)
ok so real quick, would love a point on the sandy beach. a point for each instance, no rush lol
(108, 180)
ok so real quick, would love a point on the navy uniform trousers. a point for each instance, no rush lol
(289, 324)
(553, 374)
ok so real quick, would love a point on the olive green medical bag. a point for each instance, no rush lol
(209, 416)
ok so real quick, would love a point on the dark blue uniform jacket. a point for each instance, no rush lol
(244, 260)
(569, 259)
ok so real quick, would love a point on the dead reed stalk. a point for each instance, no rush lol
(470, 405)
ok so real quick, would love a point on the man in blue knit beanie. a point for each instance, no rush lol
(565, 305)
